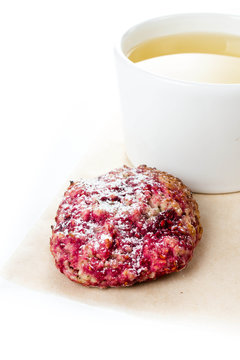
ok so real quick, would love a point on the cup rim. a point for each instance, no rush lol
(118, 49)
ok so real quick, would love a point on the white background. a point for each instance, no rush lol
(57, 87)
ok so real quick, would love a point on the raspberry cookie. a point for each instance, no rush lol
(127, 226)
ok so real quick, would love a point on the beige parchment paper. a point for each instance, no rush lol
(209, 287)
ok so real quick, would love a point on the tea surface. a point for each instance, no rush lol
(201, 57)
(205, 43)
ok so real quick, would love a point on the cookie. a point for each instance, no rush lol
(127, 226)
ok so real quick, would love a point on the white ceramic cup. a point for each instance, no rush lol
(189, 129)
